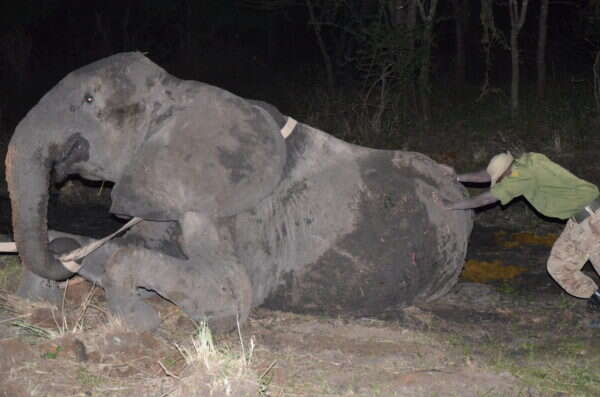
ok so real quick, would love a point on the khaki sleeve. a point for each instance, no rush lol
(513, 185)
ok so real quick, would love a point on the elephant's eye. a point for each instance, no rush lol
(88, 98)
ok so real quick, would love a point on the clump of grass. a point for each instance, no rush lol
(78, 325)
(10, 270)
(34, 330)
(506, 288)
(64, 324)
(20, 310)
(214, 371)
(564, 368)
(88, 379)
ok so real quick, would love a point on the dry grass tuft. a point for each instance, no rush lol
(10, 271)
(214, 371)
(154, 366)
(20, 307)
(42, 319)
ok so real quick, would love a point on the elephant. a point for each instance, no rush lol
(234, 214)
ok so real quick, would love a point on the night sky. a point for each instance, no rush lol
(261, 49)
(220, 42)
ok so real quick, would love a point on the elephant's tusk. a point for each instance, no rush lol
(289, 126)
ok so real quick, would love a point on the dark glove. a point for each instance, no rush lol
(594, 301)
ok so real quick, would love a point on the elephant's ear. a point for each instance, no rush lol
(219, 155)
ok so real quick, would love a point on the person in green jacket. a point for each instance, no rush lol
(557, 193)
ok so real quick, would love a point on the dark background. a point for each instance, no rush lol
(220, 42)
(268, 49)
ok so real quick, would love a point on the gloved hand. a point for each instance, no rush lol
(594, 301)
(594, 305)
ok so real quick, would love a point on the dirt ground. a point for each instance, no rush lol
(505, 330)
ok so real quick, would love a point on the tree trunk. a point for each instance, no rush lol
(411, 24)
(541, 49)
(596, 70)
(273, 36)
(514, 85)
(424, 80)
(103, 28)
(425, 64)
(460, 21)
(322, 47)
(517, 19)
(125, 36)
(398, 10)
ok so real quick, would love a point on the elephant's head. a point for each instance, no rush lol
(124, 119)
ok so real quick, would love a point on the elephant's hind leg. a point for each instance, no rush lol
(214, 291)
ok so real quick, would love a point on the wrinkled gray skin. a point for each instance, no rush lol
(234, 216)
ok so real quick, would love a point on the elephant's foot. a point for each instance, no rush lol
(36, 288)
(218, 292)
(127, 305)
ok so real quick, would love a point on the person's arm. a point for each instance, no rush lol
(474, 177)
(475, 202)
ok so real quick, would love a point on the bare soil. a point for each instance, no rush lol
(515, 337)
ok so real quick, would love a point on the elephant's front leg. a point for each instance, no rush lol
(203, 289)
(34, 287)
(209, 285)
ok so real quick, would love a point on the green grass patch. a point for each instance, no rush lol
(33, 330)
(52, 355)
(10, 271)
(565, 366)
(88, 379)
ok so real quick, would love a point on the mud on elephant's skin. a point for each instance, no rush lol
(234, 216)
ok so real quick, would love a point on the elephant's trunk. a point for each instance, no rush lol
(27, 173)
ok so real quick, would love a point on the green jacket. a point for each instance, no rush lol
(550, 188)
